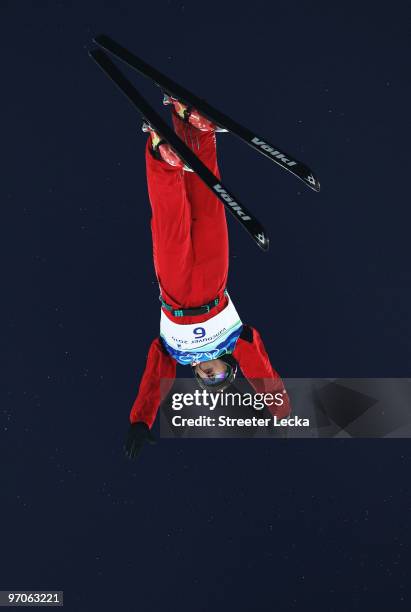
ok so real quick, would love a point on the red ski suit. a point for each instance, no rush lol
(190, 250)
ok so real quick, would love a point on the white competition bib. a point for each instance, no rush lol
(193, 343)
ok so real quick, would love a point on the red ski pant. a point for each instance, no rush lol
(189, 228)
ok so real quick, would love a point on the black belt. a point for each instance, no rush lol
(189, 312)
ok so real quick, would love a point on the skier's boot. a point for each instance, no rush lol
(162, 150)
(191, 115)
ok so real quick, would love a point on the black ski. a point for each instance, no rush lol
(173, 89)
(247, 220)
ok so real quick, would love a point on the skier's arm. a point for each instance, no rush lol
(159, 366)
(256, 367)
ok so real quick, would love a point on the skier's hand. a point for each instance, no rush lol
(138, 434)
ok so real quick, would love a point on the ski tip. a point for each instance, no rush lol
(262, 240)
(100, 38)
(312, 181)
(317, 186)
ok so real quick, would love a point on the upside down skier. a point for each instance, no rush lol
(199, 325)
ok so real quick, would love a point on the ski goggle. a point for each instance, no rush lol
(217, 379)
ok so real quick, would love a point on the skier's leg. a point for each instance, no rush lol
(209, 234)
(171, 228)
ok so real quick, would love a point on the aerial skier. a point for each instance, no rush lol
(199, 325)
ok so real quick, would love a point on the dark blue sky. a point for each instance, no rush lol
(201, 524)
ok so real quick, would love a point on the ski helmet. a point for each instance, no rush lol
(220, 382)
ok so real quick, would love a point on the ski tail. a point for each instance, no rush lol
(231, 203)
(170, 87)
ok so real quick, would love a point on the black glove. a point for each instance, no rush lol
(138, 434)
